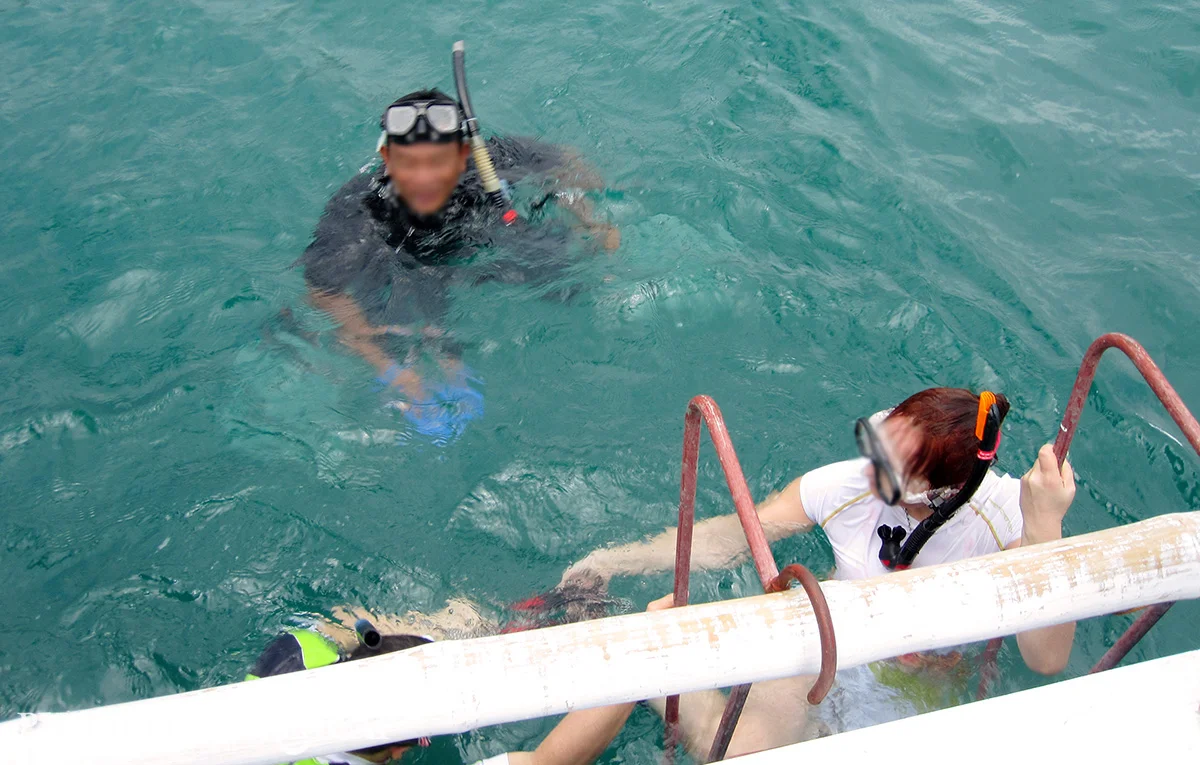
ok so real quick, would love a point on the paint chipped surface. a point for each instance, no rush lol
(466, 684)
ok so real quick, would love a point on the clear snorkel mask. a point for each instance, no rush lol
(892, 480)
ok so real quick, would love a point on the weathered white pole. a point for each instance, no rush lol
(456, 686)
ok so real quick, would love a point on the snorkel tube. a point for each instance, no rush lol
(367, 634)
(495, 191)
(987, 430)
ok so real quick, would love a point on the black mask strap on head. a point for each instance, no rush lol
(987, 430)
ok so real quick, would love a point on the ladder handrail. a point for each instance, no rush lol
(1150, 372)
(1175, 407)
(764, 562)
(704, 408)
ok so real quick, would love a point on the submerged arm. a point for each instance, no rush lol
(583, 209)
(574, 176)
(359, 335)
(354, 331)
(578, 739)
(460, 619)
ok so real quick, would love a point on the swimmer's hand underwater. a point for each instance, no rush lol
(404, 379)
(439, 411)
(607, 234)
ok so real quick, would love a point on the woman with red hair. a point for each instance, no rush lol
(921, 493)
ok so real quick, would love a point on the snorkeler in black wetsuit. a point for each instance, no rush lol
(391, 242)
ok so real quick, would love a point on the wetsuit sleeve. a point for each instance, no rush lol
(829, 489)
(518, 156)
(340, 243)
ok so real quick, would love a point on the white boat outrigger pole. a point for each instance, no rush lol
(455, 686)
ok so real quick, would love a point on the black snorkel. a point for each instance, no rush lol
(368, 636)
(987, 429)
(496, 193)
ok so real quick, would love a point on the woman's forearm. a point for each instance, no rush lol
(716, 543)
(715, 535)
(1046, 650)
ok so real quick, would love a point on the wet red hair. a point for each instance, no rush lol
(946, 417)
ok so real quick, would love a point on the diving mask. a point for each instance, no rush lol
(891, 476)
(423, 121)
(892, 481)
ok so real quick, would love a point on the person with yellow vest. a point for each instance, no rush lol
(578, 739)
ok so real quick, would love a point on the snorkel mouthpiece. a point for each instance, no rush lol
(892, 537)
(367, 634)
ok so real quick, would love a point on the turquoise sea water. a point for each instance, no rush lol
(824, 208)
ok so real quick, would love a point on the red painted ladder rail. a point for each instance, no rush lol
(703, 407)
(764, 562)
(1066, 432)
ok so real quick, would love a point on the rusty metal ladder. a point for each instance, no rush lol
(703, 407)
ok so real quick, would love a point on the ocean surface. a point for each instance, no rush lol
(824, 208)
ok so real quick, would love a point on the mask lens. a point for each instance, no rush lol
(885, 482)
(400, 120)
(870, 446)
(443, 118)
(862, 437)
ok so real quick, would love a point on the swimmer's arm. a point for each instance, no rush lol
(576, 174)
(1045, 650)
(358, 334)
(354, 331)
(716, 542)
(459, 619)
(1046, 494)
(583, 209)
(578, 739)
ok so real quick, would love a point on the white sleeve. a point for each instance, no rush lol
(500, 759)
(827, 489)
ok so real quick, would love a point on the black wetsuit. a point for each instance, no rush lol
(398, 266)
